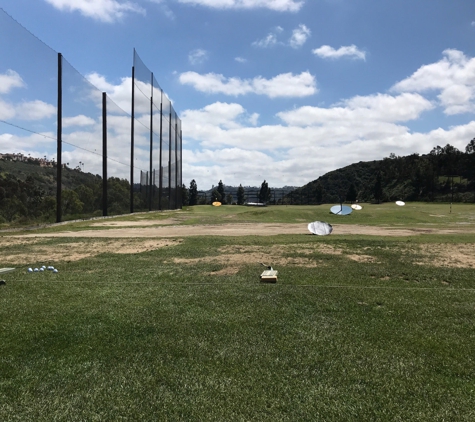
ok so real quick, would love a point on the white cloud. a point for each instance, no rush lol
(270, 40)
(79, 120)
(120, 94)
(9, 80)
(102, 10)
(359, 129)
(284, 85)
(453, 77)
(240, 59)
(27, 110)
(327, 52)
(35, 110)
(299, 36)
(7, 112)
(198, 56)
(277, 5)
(374, 108)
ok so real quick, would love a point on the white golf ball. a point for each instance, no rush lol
(55, 270)
(30, 270)
(42, 269)
(35, 270)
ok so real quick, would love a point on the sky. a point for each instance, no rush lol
(277, 90)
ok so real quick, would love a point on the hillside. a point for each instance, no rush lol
(445, 174)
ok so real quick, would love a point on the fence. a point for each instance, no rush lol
(77, 152)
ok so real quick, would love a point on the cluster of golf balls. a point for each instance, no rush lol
(43, 268)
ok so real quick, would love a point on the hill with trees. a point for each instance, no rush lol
(444, 174)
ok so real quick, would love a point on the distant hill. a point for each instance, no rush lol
(445, 174)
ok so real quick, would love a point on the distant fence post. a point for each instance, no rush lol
(59, 136)
(104, 154)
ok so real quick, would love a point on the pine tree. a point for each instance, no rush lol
(240, 195)
(193, 193)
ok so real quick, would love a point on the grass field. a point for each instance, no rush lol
(366, 327)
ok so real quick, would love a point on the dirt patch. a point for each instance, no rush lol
(140, 223)
(243, 229)
(455, 256)
(276, 256)
(78, 250)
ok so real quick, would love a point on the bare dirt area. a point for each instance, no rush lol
(74, 251)
(152, 229)
(146, 235)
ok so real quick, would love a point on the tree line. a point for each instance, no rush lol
(444, 174)
(191, 195)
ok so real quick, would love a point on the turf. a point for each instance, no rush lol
(147, 337)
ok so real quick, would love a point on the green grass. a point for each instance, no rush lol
(413, 215)
(140, 337)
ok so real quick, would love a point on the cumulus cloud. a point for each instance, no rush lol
(79, 120)
(101, 10)
(26, 110)
(453, 77)
(120, 93)
(358, 129)
(277, 5)
(327, 52)
(299, 36)
(284, 85)
(198, 56)
(373, 108)
(9, 80)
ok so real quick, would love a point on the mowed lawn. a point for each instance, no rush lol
(366, 328)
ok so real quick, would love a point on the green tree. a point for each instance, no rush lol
(221, 192)
(319, 192)
(351, 194)
(229, 199)
(378, 188)
(86, 196)
(193, 193)
(240, 195)
(184, 195)
(70, 203)
(264, 192)
(470, 148)
(215, 196)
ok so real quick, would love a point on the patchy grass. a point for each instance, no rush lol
(356, 328)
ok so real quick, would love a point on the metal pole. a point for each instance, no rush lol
(160, 171)
(59, 135)
(169, 158)
(104, 154)
(132, 141)
(151, 146)
(181, 165)
(176, 164)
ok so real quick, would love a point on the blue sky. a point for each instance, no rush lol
(282, 90)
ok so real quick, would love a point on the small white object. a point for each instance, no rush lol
(30, 270)
(51, 268)
(42, 269)
(36, 270)
(400, 203)
(320, 228)
(356, 207)
(55, 270)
